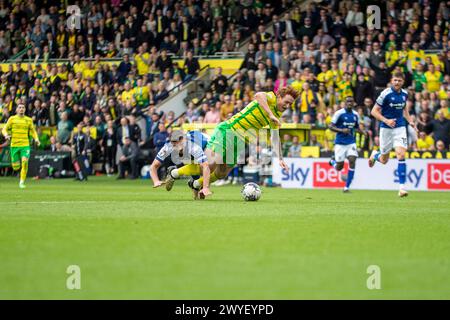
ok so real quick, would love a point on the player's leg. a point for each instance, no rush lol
(351, 172)
(351, 154)
(25, 155)
(339, 157)
(216, 154)
(386, 144)
(15, 158)
(174, 173)
(400, 145)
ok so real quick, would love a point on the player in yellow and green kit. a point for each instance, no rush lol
(19, 129)
(264, 111)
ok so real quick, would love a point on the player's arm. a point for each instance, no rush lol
(6, 128)
(333, 128)
(206, 172)
(376, 113)
(34, 134)
(276, 147)
(156, 164)
(261, 98)
(409, 120)
(202, 160)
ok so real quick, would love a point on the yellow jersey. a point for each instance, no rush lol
(21, 128)
(344, 89)
(141, 95)
(142, 63)
(434, 80)
(253, 116)
(326, 77)
(127, 96)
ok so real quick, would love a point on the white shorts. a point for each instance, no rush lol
(392, 138)
(343, 151)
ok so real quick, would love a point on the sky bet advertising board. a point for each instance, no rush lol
(317, 173)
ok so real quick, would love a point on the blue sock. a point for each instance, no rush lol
(351, 173)
(401, 171)
(333, 163)
(377, 156)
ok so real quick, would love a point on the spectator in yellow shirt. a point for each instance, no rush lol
(425, 143)
(326, 76)
(78, 65)
(434, 79)
(226, 108)
(141, 94)
(444, 108)
(127, 94)
(142, 60)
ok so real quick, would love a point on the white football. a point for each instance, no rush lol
(251, 192)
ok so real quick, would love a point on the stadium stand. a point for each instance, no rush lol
(326, 52)
(113, 73)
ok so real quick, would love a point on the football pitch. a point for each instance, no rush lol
(131, 241)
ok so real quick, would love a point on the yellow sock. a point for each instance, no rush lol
(212, 178)
(24, 170)
(189, 170)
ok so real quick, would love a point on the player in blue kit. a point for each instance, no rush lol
(345, 122)
(187, 149)
(390, 110)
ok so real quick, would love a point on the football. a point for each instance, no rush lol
(251, 192)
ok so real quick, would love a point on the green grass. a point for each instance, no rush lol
(135, 242)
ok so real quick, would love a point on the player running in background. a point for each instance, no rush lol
(265, 110)
(345, 121)
(390, 110)
(183, 148)
(19, 129)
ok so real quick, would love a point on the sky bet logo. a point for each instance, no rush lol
(412, 176)
(295, 174)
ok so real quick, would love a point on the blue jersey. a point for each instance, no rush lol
(198, 138)
(392, 104)
(344, 119)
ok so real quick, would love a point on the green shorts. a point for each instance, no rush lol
(17, 153)
(227, 144)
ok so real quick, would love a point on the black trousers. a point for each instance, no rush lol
(130, 165)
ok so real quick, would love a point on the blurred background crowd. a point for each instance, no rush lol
(325, 51)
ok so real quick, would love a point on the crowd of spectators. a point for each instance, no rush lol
(327, 53)
(105, 99)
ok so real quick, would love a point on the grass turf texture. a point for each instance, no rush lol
(135, 242)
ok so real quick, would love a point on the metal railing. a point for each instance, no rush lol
(19, 55)
(200, 101)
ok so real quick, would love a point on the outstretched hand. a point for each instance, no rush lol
(275, 120)
(205, 192)
(284, 166)
(157, 184)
